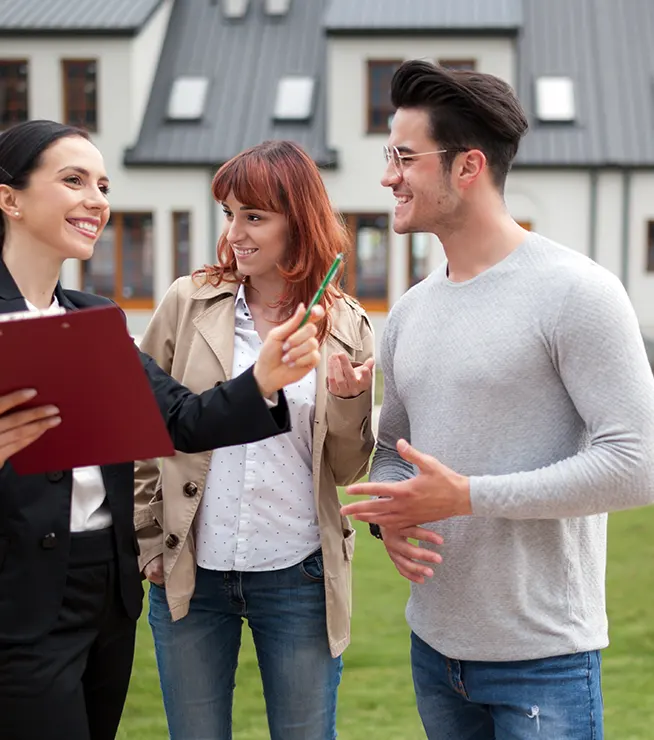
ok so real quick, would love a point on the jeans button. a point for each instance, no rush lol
(172, 540)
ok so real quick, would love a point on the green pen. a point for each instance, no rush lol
(323, 287)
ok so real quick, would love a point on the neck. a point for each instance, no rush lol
(34, 271)
(265, 291)
(481, 239)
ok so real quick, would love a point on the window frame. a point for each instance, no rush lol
(410, 261)
(350, 219)
(17, 63)
(66, 64)
(649, 246)
(372, 63)
(175, 241)
(126, 303)
(454, 63)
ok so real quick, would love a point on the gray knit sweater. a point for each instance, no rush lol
(531, 378)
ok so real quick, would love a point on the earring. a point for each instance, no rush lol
(16, 213)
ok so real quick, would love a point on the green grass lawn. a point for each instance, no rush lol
(376, 698)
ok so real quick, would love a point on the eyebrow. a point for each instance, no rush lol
(405, 150)
(82, 171)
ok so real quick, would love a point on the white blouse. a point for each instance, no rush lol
(258, 510)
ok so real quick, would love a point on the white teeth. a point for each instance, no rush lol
(86, 226)
(244, 252)
(401, 199)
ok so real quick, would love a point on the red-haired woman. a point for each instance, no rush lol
(254, 531)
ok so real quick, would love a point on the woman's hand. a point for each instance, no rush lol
(288, 353)
(346, 381)
(18, 429)
(154, 572)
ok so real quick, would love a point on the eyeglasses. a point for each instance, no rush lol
(392, 154)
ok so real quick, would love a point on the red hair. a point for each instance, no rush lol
(279, 176)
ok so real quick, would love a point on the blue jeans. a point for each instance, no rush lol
(549, 699)
(197, 655)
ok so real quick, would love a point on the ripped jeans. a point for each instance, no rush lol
(556, 698)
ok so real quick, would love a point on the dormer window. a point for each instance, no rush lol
(188, 97)
(555, 100)
(294, 101)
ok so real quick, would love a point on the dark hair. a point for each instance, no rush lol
(21, 148)
(467, 110)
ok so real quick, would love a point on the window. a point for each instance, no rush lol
(366, 271)
(469, 64)
(380, 110)
(13, 92)
(81, 93)
(181, 244)
(555, 99)
(650, 246)
(420, 247)
(188, 96)
(123, 261)
(294, 101)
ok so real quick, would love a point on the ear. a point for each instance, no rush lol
(470, 166)
(8, 202)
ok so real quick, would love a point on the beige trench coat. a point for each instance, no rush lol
(191, 336)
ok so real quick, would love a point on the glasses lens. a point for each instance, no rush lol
(397, 161)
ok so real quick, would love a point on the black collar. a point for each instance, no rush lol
(11, 298)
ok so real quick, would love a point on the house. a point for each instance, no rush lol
(173, 88)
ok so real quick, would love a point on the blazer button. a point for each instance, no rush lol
(172, 541)
(220, 382)
(49, 542)
(190, 489)
(55, 476)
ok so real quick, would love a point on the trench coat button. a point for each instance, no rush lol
(49, 542)
(172, 540)
(55, 476)
(190, 489)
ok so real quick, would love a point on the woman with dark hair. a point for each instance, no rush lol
(70, 589)
(257, 529)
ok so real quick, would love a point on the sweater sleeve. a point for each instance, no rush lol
(598, 351)
(387, 465)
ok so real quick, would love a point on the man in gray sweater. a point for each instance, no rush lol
(518, 375)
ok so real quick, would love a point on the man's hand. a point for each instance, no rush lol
(288, 353)
(408, 558)
(346, 381)
(154, 571)
(18, 429)
(435, 493)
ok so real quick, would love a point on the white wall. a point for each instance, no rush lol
(125, 70)
(556, 202)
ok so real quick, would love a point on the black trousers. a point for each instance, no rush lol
(71, 684)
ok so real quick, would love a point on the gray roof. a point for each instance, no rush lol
(243, 60)
(605, 46)
(75, 16)
(384, 16)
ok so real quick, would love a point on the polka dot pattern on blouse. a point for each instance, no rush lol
(258, 511)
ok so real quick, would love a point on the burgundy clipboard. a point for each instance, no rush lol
(86, 364)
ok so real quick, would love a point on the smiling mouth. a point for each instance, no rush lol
(402, 200)
(88, 228)
(240, 252)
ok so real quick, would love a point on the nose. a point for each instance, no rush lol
(391, 177)
(234, 232)
(96, 200)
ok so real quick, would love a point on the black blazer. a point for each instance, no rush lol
(35, 509)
